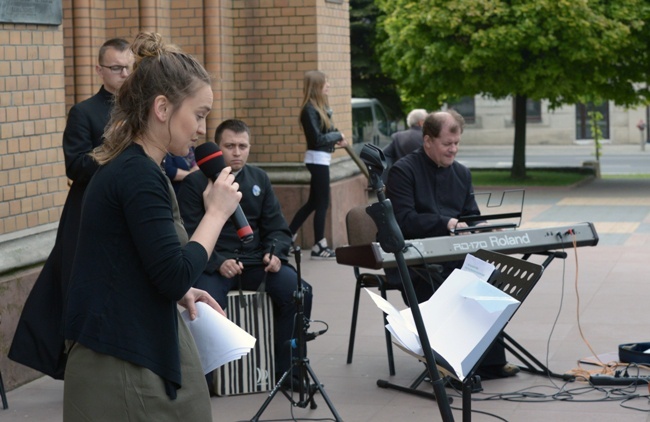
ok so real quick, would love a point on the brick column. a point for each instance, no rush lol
(274, 43)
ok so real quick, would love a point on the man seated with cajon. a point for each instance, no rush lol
(233, 261)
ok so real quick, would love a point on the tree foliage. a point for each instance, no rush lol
(368, 79)
(565, 51)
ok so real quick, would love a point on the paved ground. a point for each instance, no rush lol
(587, 304)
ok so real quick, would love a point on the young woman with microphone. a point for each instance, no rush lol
(130, 354)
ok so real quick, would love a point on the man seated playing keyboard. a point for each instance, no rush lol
(429, 191)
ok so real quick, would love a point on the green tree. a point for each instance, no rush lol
(565, 51)
(368, 80)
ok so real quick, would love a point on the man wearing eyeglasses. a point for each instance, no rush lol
(86, 120)
(38, 342)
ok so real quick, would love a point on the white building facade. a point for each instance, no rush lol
(491, 122)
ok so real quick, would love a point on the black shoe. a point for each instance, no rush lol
(490, 372)
(320, 251)
(509, 370)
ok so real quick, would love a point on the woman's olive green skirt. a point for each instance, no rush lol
(99, 387)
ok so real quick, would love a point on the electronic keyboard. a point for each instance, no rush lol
(449, 248)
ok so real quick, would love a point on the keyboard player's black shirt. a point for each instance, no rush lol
(424, 198)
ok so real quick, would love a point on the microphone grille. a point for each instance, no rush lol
(209, 158)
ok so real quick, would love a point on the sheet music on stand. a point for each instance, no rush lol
(462, 318)
(498, 212)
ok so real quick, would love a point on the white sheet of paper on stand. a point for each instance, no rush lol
(400, 324)
(217, 339)
(483, 270)
(461, 319)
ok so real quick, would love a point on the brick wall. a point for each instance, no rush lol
(275, 43)
(256, 50)
(32, 118)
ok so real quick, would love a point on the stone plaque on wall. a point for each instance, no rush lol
(43, 12)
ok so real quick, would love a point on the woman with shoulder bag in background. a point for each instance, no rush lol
(322, 137)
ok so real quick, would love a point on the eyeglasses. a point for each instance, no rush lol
(117, 69)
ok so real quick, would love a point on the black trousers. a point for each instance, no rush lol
(318, 202)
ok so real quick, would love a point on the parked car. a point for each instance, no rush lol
(370, 124)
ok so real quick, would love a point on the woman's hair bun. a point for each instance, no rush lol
(150, 44)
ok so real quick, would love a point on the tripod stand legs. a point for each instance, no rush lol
(303, 401)
(300, 361)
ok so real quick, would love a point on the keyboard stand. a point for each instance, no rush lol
(530, 363)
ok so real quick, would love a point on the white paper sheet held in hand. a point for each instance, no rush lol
(217, 339)
(461, 319)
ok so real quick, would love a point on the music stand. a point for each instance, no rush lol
(515, 277)
(511, 200)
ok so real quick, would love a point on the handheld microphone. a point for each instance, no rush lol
(210, 160)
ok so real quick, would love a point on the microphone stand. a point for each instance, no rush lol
(306, 390)
(391, 240)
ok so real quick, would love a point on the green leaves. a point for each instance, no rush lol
(558, 50)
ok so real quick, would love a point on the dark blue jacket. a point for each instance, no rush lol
(262, 210)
